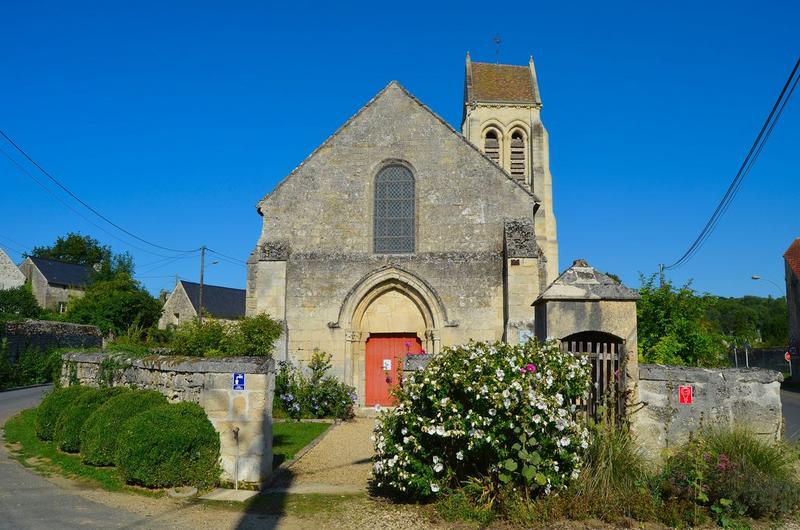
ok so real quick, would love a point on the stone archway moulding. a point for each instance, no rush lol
(387, 278)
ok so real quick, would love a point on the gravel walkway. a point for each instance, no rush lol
(340, 463)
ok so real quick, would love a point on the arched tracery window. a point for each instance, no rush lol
(394, 224)
(491, 145)
(518, 161)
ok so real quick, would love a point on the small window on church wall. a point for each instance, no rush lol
(491, 145)
(518, 155)
(394, 211)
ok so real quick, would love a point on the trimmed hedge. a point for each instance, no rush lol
(101, 431)
(51, 408)
(169, 445)
(67, 432)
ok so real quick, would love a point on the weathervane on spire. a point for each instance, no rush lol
(497, 40)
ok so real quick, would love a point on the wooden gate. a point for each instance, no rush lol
(607, 393)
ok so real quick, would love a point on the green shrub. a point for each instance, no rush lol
(52, 406)
(101, 430)
(67, 432)
(169, 445)
(250, 336)
(253, 336)
(317, 395)
(499, 413)
(195, 338)
(734, 473)
(32, 367)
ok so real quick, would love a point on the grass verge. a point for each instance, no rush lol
(290, 437)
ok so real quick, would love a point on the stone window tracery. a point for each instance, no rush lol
(394, 215)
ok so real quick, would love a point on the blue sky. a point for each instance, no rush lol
(175, 118)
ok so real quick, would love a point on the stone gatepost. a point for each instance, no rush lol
(584, 304)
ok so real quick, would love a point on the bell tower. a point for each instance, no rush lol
(502, 118)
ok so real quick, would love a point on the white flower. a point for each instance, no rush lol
(537, 418)
(584, 444)
(436, 459)
(507, 403)
(500, 374)
(492, 412)
(444, 401)
(434, 487)
(564, 441)
(438, 468)
(506, 393)
(404, 431)
(440, 430)
(460, 455)
(378, 467)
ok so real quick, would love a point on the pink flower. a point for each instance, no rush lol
(408, 345)
(532, 368)
(522, 370)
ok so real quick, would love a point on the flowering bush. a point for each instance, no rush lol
(315, 396)
(497, 412)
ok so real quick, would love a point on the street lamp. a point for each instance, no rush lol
(757, 277)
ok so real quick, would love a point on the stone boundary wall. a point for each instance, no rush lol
(735, 397)
(46, 334)
(208, 382)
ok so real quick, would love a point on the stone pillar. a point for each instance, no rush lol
(522, 273)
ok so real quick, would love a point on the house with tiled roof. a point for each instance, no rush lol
(792, 264)
(54, 282)
(10, 275)
(183, 304)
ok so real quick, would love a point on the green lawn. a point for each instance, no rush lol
(289, 437)
(20, 435)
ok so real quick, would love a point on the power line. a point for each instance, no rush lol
(744, 169)
(231, 258)
(71, 194)
(27, 173)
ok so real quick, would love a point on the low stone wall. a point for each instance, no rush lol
(209, 382)
(736, 397)
(46, 334)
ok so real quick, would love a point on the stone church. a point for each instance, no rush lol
(400, 234)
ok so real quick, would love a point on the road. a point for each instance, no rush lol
(28, 500)
(791, 414)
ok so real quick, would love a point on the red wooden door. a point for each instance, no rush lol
(384, 363)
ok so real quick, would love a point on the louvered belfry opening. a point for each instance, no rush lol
(491, 146)
(518, 155)
(394, 211)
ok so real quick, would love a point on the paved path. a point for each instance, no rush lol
(31, 501)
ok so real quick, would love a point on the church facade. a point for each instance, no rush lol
(400, 234)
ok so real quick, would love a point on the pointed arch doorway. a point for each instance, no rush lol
(393, 314)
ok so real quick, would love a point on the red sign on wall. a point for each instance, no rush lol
(685, 396)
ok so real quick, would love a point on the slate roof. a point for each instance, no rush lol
(792, 257)
(61, 273)
(502, 83)
(219, 302)
(583, 282)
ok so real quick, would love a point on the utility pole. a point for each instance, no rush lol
(661, 275)
(202, 270)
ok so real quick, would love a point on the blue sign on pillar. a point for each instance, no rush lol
(238, 381)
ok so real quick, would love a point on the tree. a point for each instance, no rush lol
(762, 322)
(18, 303)
(86, 250)
(673, 326)
(114, 305)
